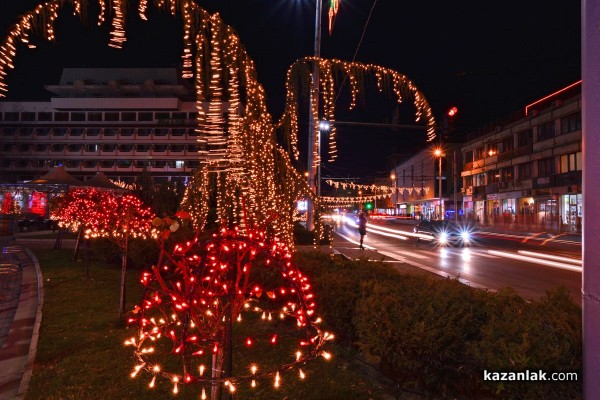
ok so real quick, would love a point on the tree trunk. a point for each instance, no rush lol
(123, 271)
(58, 242)
(217, 372)
(78, 243)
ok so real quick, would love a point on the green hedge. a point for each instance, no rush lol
(437, 336)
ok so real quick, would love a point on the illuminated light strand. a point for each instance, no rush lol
(168, 288)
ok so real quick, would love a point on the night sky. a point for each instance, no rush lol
(487, 58)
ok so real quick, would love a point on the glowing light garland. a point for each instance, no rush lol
(242, 165)
(401, 86)
(387, 190)
(197, 297)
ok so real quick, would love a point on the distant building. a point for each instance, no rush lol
(112, 120)
(417, 184)
(528, 170)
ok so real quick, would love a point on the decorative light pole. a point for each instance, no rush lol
(438, 153)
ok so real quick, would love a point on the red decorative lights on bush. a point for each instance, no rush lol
(231, 294)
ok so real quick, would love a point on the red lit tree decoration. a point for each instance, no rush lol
(37, 204)
(106, 214)
(121, 218)
(199, 304)
(7, 204)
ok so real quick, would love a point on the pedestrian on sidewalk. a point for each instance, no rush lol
(362, 227)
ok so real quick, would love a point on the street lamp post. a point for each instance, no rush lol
(314, 101)
(395, 193)
(438, 154)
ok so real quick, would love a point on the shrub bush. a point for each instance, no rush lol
(438, 336)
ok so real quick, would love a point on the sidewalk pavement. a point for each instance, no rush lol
(21, 299)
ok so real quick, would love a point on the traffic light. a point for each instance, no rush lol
(369, 206)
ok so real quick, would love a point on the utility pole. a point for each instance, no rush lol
(313, 149)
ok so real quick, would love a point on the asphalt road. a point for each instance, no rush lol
(529, 264)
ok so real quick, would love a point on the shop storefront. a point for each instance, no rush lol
(571, 212)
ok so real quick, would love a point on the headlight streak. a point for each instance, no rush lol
(551, 257)
(541, 261)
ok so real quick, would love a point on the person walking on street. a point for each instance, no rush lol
(362, 227)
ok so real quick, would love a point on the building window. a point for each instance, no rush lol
(570, 162)
(468, 157)
(178, 132)
(525, 138)
(128, 116)
(61, 116)
(179, 116)
(479, 153)
(76, 131)
(506, 174)
(507, 144)
(468, 180)
(145, 116)
(44, 116)
(492, 149)
(94, 116)
(546, 167)
(92, 132)
(11, 116)
(570, 123)
(27, 116)
(144, 131)
(74, 148)
(480, 179)
(193, 116)
(162, 115)
(125, 147)
(494, 176)
(77, 116)
(91, 148)
(525, 171)
(127, 132)
(546, 131)
(111, 116)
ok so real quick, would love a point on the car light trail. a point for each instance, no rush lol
(552, 257)
(549, 263)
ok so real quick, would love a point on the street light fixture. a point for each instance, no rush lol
(439, 154)
(324, 126)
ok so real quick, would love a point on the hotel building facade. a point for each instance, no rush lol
(116, 121)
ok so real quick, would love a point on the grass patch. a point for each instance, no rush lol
(80, 353)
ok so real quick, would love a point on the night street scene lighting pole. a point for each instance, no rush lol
(323, 127)
(314, 100)
(395, 194)
(439, 155)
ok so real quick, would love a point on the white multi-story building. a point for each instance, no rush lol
(117, 121)
(528, 170)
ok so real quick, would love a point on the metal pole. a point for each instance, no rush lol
(590, 35)
(312, 129)
(440, 186)
(455, 180)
